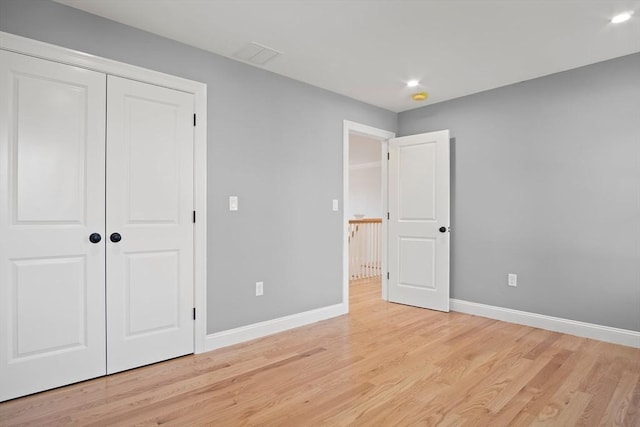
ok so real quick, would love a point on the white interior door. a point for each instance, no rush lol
(149, 204)
(418, 225)
(52, 167)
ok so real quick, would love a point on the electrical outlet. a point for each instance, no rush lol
(259, 288)
(512, 280)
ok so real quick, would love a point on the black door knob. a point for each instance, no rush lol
(115, 237)
(95, 237)
(442, 229)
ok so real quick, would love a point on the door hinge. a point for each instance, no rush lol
(388, 216)
(387, 275)
(194, 119)
(388, 157)
(194, 313)
(194, 217)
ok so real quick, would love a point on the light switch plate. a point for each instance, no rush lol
(233, 203)
(335, 205)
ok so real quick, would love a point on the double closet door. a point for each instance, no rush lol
(96, 232)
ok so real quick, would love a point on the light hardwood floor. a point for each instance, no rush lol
(383, 365)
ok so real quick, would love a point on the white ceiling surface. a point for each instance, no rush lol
(368, 49)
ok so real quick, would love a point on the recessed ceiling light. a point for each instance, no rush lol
(621, 18)
(412, 83)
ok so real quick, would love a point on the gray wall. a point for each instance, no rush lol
(546, 184)
(274, 142)
(545, 179)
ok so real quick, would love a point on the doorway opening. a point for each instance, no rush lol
(415, 222)
(365, 211)
(365, 207)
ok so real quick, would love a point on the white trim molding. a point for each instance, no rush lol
(556, 324)
(63, 55)
(270, 327)
(38, 49)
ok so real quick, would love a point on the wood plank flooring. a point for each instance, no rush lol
(383, 365)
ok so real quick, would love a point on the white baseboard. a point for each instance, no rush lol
(268, 327)
(557, 324)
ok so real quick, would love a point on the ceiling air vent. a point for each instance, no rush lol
(255, 53)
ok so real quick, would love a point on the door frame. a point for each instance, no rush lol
(26, 46)
(383, 136)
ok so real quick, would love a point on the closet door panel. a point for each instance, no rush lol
(52, 168)
(149, 204)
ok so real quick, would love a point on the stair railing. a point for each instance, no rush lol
(365, 248)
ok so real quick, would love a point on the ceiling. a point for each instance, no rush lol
(368, 49)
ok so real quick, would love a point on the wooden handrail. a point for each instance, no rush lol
(365, 221)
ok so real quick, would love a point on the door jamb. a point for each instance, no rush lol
(38, 49)
(383, 136)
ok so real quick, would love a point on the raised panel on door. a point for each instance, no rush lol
(416, 262)
(52, 166)
(150, 204)
(418, 207)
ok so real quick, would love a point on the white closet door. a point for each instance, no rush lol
(52, 169)
(149, 204)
